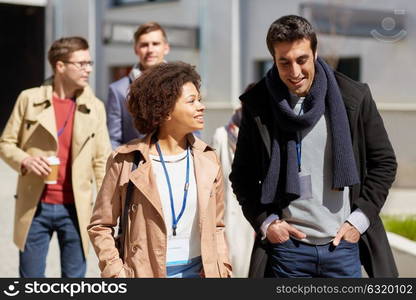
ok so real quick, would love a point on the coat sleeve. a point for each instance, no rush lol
(380, 161)
(104, 218)
(114, 117)
(223, 254)
(10, 150)
(102, 147)
(244, 177)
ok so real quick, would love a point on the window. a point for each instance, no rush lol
(385, 25)
(129, 2)
(350, 66)
(119, 71)
(178, 36)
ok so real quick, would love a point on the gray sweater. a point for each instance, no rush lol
(320, 211)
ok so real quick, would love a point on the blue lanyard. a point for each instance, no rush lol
(299, 143)
(299, 154)
(185, 189)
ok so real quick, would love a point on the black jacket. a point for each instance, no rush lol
(374, 155)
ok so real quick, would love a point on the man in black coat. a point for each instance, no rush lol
(313, 166)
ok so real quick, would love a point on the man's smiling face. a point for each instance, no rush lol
(295, 62)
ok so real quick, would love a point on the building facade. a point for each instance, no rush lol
(372, 41)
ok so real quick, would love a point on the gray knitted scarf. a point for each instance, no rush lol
(281, 183)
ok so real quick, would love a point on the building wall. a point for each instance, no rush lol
(232, 42)
(180, 13)
(72, 18)
(382, 62)
(213, 60)
(388, 68)
(257, 15)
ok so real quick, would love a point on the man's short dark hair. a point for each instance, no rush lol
(289, 29)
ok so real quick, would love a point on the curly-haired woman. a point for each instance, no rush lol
(175, 226)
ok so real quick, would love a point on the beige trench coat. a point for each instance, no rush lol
(146, 239)
(31, 131)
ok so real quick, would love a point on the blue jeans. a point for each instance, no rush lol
(49, 218)
(295, 259)
(191, 270)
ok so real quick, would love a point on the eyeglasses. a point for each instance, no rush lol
(80, 64)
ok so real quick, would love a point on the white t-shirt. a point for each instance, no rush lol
(187, 242)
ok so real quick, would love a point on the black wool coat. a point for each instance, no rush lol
(374, 156)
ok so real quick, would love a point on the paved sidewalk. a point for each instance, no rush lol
(400, 202)
(9, 257)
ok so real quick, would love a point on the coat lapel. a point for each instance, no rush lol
(264, 133)
(260, 110)
(206, 170)
(144, 180)
(46, 118)
(82, 133)
(143, 177)
(351, 105)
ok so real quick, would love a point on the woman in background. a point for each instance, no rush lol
(176, 224)
(239, 233)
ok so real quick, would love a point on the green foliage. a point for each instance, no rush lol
(404, 226)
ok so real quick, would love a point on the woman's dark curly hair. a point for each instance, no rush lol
(153, 94)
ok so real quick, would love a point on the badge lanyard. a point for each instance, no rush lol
(299, 142)
(185, 189)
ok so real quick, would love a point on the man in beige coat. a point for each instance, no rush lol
(63, 119)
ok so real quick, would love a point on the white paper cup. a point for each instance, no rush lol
(52, 178)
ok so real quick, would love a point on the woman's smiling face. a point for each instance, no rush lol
(188, 112)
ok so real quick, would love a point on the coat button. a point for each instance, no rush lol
(133, 207)
(134, 248)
